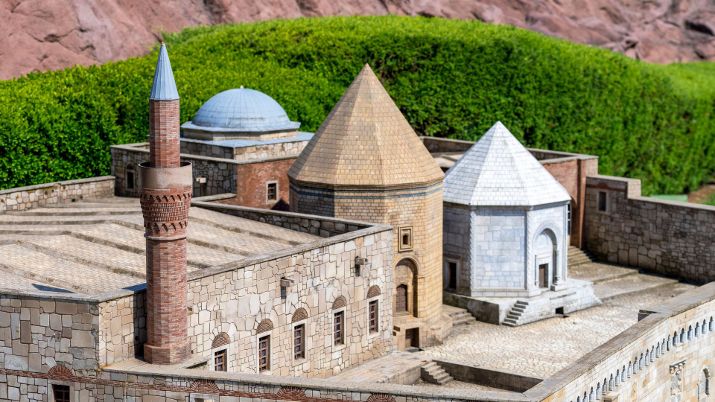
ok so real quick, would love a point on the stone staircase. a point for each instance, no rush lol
(462, 317)
(434, 373)
(512, 317)
(579, 257)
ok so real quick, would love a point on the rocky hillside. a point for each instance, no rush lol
(38, 35)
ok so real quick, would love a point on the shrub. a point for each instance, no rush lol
(450, 78)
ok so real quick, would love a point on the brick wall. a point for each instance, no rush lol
(671, 238)
(252, 180)
(23, 198)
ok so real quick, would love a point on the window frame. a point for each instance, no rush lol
(336, 312)
(259, 337)
(216, 352)
(376, 301)
(402, 232)
(51, 391)
(268, 185)
(304, 324)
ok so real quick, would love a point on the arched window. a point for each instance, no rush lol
(299, 334)
(690, 332)
(711, 324)
(697, 329)
(675, 338)
(682, 335)
(704, 385)
(373, 309)
(339, 321)
(220, 358)
(264, 345)
(705, 327)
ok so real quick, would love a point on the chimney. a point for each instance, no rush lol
(165, 199)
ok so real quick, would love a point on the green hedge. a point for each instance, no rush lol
(450, 78)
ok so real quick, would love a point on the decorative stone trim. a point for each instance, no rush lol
(221, 339)
(340, 302)
(265, 326)
(299, 315)
(374, 291)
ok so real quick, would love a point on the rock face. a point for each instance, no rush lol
(38, 35)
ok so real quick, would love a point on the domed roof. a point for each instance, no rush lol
(365, 142)
(499, 171)
(241, 110)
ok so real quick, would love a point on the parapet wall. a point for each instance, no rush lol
(665, 356)
(667, 237)
(313, 224)
(24, 198)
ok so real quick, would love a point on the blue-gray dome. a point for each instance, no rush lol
(242, 110)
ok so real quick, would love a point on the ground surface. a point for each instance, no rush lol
(98, 246)
(542, 348)
(53, 34)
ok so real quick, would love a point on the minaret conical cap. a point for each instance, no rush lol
(164, 87)
(365, 142)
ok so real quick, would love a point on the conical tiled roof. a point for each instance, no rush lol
(164, 87)
(499, 171)
(365, 142)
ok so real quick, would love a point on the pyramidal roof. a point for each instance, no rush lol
(164, 87)
(499, 171)
(365, 141)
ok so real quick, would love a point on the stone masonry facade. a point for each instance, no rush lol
(670, 238)
(418, 210)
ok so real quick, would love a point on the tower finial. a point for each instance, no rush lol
(164, 87)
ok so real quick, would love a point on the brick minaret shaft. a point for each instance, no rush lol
(165, 200)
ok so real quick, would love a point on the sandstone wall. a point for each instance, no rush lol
(671, 238)
(23, 198)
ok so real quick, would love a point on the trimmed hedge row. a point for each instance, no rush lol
(450, 78)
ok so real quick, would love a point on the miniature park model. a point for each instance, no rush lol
(277, 264)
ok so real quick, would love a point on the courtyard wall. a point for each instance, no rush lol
(666, 237)
(23, 198)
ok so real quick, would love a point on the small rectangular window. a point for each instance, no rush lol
(299, 342)
(373, 317)
(405, 239)
(272, 191)
(339, 328)
(264, 353)
(130, 178)
(602, 201)
(61, 392)
(568, 218)
(220, 360)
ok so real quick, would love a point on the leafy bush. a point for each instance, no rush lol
(450, 78)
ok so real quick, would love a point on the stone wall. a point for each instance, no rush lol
(417, 210)
(235, 301)
(219, 174)
(39, 333)
(122, 328)
(266, 150)
(670, 238)
(23, 198)
(661, 358)
(318, 225)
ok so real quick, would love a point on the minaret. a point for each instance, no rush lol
(165, 200)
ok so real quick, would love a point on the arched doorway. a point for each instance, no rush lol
(546, 253)
(405, 288)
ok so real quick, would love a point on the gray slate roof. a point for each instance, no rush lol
(499, 171)
(241, 110)
(164, 87)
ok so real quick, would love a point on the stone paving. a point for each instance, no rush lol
(538, 349)
(98, 246)
(542, 348)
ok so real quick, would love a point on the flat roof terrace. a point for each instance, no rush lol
(90, 248)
